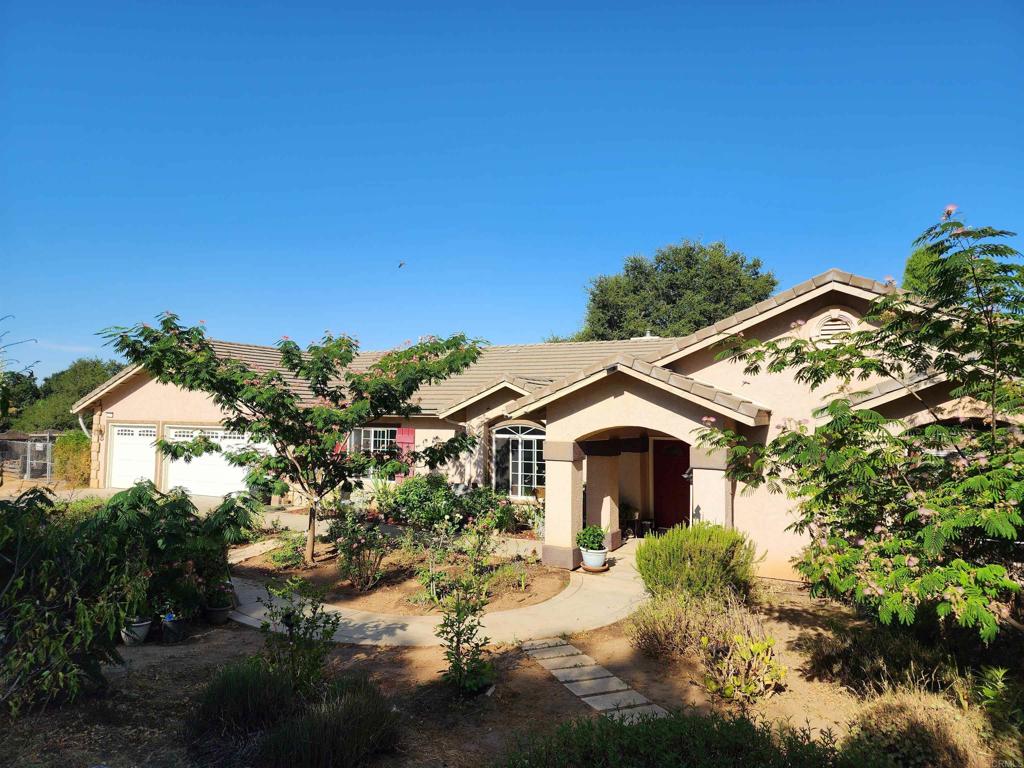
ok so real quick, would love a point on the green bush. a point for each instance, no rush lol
(485, 503)
(916, 728)
(183, 550)
(350, 724)
(66, 589)
(737, 655)
(243, 697)
(425, 500)
(71, 459)
(362, 547)
(298, 633)
(80, 509)
(702, 559)
(682, 740)
(291, 553)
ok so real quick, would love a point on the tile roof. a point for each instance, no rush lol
(530, 366)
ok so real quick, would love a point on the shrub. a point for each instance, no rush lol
(183, 550)
(350, 723)
(243, 697)
(701, 559)
(291, 554)
(71, 460)
(591, 537)
(737, 655)
(681, 740)
(362, 547)
(425, 500)
(459, 633)
(65, 592)
(485, 503)
(79, 509)
(916, 728)
(307, 637)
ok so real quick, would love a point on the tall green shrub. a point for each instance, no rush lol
(65, 590)
(703, 559)
(71, 458)
(424, 501)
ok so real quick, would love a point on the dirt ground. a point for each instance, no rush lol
(396, 593)
(137, 723)
(789, 616)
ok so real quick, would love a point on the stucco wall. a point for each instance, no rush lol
(765, 516)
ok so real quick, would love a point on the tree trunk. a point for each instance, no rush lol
(311, 533)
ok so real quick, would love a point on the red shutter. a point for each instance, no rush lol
(406, 442)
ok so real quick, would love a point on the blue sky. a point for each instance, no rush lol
(266, 166)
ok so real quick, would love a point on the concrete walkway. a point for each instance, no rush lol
(588, 602)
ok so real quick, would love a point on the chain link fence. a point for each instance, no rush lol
(27, 457)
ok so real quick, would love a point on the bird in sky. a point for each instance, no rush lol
(401, 264)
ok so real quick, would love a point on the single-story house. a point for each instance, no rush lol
(602, 431)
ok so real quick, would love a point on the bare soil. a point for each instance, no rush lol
(137, 723)
(805, 703)
(399, 592)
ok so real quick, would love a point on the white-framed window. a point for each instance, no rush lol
(518, 452)
(373, 439)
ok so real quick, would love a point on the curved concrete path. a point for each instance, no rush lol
(588, 602)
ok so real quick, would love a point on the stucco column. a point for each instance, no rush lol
(603, 497)
(563, 504)
(711, 492)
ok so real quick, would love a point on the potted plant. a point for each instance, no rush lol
(172, 625)
(590, 540)
(137, 624)
(218, 602)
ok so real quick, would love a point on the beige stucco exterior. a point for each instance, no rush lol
(609, 405)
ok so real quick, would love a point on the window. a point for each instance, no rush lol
(373, 439)
(518, 459)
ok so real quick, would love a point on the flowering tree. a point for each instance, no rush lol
(903, 517)
(308, 440)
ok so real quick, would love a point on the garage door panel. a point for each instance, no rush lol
(132, 454)
(210, 474)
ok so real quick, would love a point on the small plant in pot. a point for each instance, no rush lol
(218, 602)
(137, 624)
(590, 540)
(172, 624)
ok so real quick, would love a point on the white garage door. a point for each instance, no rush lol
(209, 474)
(132, 454)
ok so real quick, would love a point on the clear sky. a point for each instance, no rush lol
(266, 167)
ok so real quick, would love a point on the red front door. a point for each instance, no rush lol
(671, 490)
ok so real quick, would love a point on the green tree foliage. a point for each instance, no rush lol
(17, 390)
(916, 272)
(910, 520)
(309, 442)
(60, 391)
(65, 590)
(684, 287)
(71, 458)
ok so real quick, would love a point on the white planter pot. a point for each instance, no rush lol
(135, 633)
(594, 558)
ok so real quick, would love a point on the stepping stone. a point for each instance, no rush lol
(618, 700)
(575, 674)
(564, 662)
(600, 685)
(555, 652)
(547, 642)
(630, 716)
